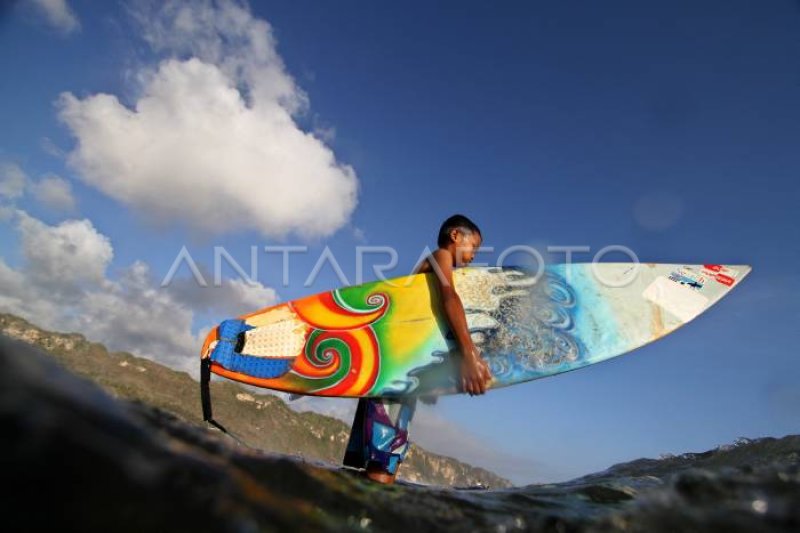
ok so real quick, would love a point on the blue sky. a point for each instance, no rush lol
(671, 129)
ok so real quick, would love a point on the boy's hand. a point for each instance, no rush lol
(475, 374)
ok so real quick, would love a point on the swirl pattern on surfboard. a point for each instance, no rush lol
(329, 311)
(342, 355)
(530, 331)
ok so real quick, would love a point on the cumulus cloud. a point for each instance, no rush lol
(232, 297)
(51, 191)
(59, 264)
(54, 192)
(12, 181)
(212, 141)
(58, 14)
(63, 284)
(64, 257)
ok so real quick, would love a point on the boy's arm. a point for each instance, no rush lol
(475, 373)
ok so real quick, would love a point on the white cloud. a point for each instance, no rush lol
(253, 295)
(58, 14)
(212, 141)
(233, 297)
(54, 192)
(13, 287)
(135, 315)
(63, 285)
(68, 256)
(51, 191)
(59, 264)
(326, 134)
(12, 181)
(223, 33)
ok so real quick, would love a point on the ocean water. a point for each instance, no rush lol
(76, 459)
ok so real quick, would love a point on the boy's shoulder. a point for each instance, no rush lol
(441, 252)
(443, 258)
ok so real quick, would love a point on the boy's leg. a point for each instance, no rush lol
(387, 422)
(379, 436)
(355, 453)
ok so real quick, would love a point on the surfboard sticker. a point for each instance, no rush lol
(721, 274)
(682, 300)
(688, 278)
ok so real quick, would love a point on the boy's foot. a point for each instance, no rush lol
(381, 476)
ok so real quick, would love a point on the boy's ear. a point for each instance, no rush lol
(454, 233)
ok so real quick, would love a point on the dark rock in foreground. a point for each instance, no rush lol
(74, 458)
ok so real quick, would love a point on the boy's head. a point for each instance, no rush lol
(462, 237)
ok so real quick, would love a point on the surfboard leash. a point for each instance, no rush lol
(205, 399)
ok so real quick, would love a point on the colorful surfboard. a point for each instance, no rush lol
(390, 338)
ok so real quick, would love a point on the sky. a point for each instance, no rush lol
(137, 131)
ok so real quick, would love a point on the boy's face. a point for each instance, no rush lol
(467, 244)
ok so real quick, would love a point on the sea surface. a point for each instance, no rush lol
(73, 458)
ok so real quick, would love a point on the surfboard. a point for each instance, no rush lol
(390, 338)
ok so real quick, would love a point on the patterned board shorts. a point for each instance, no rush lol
(379, 435)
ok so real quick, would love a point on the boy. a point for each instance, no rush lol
(379, 436)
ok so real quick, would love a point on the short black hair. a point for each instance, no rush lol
(455, 222)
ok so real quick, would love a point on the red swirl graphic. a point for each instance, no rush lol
(323, 312)
(364, 362)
